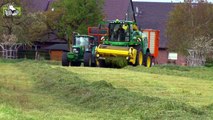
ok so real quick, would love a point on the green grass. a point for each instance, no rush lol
(190, 72)
(190, 90)
(38, 90)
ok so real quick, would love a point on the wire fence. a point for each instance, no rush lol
(25, 54)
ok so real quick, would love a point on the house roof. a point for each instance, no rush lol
(37, 5)
(116, 9)
(62, 47)
(113, 9)
(154, 15)
(52, 38)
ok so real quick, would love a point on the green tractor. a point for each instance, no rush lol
(83, 51)
(124, 40)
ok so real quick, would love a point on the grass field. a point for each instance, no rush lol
(39, 90)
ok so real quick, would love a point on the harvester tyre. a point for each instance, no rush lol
(65, 61)
(100, 63)
(87, 59)
(148, 61)
(139, 57)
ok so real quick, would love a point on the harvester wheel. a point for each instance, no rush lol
(148, 61)
(139, 57)
(75, 63)
(87, 59)
(65, 61)
(100, 63)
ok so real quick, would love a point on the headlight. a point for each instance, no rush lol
(75, 51)
(87, 48)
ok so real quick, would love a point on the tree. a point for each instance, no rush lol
(24, 29)
(70, 16)
(190, 26)
(27, 28)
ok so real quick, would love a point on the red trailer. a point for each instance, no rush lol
(153, 40)
(98, 33)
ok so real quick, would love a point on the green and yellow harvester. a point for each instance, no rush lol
(124, 40)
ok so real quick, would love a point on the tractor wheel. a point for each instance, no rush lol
(75, 63)
(139, 57)
(65, 61)
(87, 59)
(148, 61)
(94, 63)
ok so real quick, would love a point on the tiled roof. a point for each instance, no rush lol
(37, 5)
(116, 9)
(63, 47)
(113, 9)
(154, 15)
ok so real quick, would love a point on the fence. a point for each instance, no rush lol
(9, 51)
(12, 52)
(32, 54)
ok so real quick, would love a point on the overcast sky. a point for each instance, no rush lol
(165, 0)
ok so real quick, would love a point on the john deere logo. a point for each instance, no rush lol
(11, 10)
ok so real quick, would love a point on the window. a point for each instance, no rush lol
(82, 41)
(119, 32)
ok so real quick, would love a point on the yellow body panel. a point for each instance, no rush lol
(111, 51)
(108, 52)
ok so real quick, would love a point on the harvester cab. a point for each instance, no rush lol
(124, 40)
(83, 50)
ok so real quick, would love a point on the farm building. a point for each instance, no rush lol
(56, 51)
(154, 15)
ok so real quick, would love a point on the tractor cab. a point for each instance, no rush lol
(83, 43)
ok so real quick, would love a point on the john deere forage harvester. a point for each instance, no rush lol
(124, 40)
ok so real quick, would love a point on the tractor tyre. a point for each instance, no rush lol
(139, 57)
(87, 59)
(148, 61)
(65, 61)
(75, 63)
(94, 63)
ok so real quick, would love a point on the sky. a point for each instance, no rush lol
(165, 0)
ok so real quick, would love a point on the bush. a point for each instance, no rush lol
(29, 54)
(209, 62)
